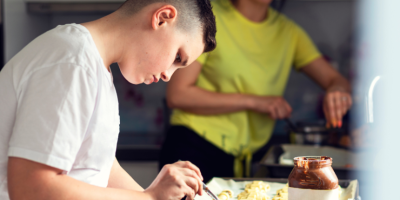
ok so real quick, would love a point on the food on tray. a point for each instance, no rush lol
(257, 185)
(282, 194)
(225, 195)
(257, 190)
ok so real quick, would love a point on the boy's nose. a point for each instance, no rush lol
(165, 77)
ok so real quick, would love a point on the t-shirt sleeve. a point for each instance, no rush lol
(305, 50)
(55, 105)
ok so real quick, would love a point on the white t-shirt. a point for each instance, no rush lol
(59, 107)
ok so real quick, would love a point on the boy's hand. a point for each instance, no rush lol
(177, 181)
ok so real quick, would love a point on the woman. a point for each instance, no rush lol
(227, 102)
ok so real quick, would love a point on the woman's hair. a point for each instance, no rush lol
(191, 14)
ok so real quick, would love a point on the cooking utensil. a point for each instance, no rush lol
(308, 133)
(291, 125)
(208, 191)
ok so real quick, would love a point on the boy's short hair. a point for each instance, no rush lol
(192, 14)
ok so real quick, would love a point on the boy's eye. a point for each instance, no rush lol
(178, 58)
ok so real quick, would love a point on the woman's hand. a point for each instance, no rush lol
(337, 100)
(275, 107)
(176, 181)
(336, 105)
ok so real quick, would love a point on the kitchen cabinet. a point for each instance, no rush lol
(72, 6)
(89, 6)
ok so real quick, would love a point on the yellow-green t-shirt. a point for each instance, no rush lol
(250, 58)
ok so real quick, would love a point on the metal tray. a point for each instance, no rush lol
(342, 183)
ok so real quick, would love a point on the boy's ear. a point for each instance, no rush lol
(163, 16)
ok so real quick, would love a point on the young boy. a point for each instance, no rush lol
(59, 119)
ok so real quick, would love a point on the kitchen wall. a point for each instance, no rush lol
(20, 27)
(1, 36)
(331, 26)
(328, 22)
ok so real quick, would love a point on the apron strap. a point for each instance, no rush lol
(238, 163)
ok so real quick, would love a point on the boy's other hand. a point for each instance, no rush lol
(176, 181)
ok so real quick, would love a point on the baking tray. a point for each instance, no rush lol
(342, 183)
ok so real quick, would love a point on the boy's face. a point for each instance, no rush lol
(162, 53)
